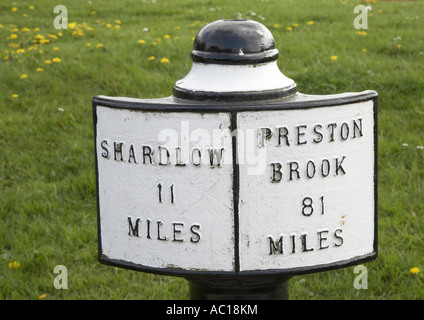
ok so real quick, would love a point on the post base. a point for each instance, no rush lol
(226, 290)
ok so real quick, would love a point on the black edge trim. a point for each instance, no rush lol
(375, 110)
(181, 105)
(236, 193)
(242, 274)
(230, 58)
(233, 96)
(99, 236)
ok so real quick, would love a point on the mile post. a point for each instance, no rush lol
(237, 181)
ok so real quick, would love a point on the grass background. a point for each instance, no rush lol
(47, 176)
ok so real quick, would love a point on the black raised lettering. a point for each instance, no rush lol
(322, 239)
(299, 134)
(275, 246)
(325, 167)
(178, 157)
(159, 236)
(357, 128)
(337, 235)
(104, 144)
(131, 154)
(199, 156)
(133, 230)
(319, 137)
(277, 175)
(310, 169)
(148, 229)
(147, 152)
(283, 133)
(117, 151)
(344, 131)
(161, 158)
(294, 167)
(332, 126)
(265, 134)
(304, 244)
(339, 165)
(196, 235)
(175, 224)
(215, 153)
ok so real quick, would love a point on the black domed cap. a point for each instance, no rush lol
(234, 42)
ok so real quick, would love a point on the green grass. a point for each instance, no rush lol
(47, 175)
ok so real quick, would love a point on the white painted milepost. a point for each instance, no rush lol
(237, 181)
(162, 203)
(315, 204)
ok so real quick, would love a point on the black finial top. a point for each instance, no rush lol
(234, 42)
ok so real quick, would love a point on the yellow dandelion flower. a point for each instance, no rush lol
(191, 11)
(40, 69)
(44, 41)
(5, 57)
(24, 76)
(89, 44)
(14, 96)
(14, 9)
(25, 15)
(289, 29)
(13, 36)
(414, 270)
(141, 41)
(108, 25)
(93, 12)
(48, 61)
(117, 26)
(166, 36)
(310, 23)
(99, 45)
(60, 34)
(364, 50)
(72, 25)
(118, 21)
(334, 58)
(276, 25)
(36, 29)
(177, 28)
(31, 7)
(151, 58)
(1, 26)
(14, 264)
(42, 296)
(56, 49)
(56, 60)
(164, 60)
(20, 51)
(26, 30)
(361, 33)
(295, 25)
(38, 36)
